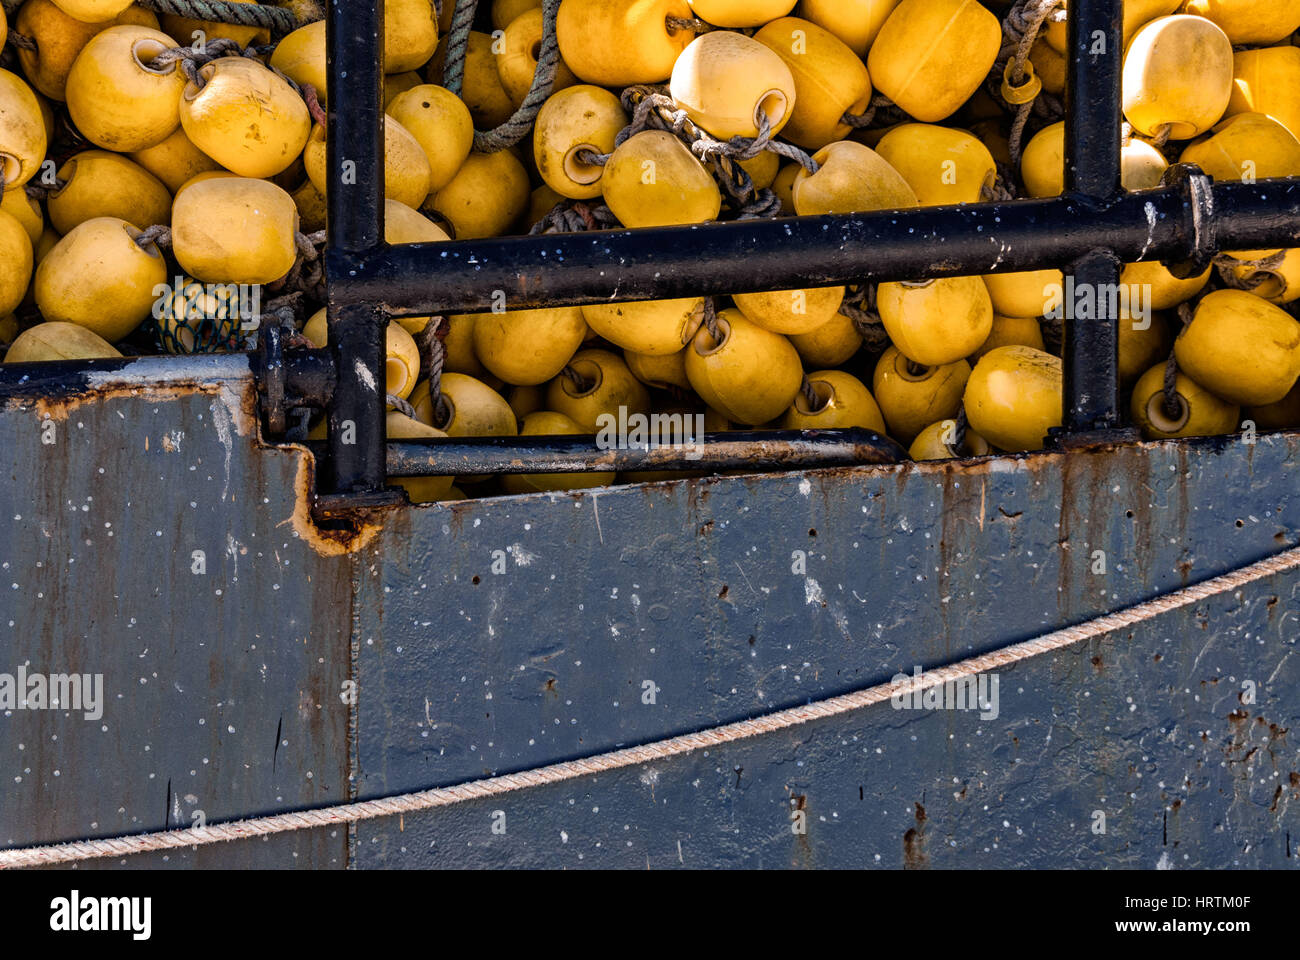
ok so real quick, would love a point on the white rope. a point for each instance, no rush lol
(648, 753)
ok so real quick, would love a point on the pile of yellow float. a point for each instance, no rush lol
(228, 158)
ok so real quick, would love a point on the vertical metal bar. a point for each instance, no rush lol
(1092, 170)
(355, 159)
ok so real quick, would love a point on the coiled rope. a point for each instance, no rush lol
(658, 750)
(548, 61)
(279, 20)
(1020, 29)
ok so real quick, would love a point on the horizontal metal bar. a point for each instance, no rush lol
(718, 259)
(770, 450)
(56, 379)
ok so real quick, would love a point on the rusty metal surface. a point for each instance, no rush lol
(732, 596)
(737, 596)
(221, 689)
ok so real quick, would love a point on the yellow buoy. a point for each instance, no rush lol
(791, 311)
(1007, 331)
(1249, 146)
(16, 262)
(487, 196)
(728, 82)
(401, 355)
(750, 375)
(526, 347)
(660, 371)
(404, 225)
(93, 11)
(608, 388)
(1267, 81)
(1013, 397)
(940, 164)
(1164, 290)
(505, 12)
(653, 180)
(470, 408)
(577, 120)
(830, 345)
(548, 423)
(407, 176)
(912, 396)
(1241, 348)
(1250, 22)
(652, 327)
(22, 131)
(245, 117)
(116, 97)
(99, 277)
(938, 322)
(300, 56)
(1283, 415)
(1194, 412)
(26, 211)
(843, 401)
(931, 55)
(58, 39)
(103, 184)
(410, 34)
(1177, 76)
(56, 340)
(481, 89)
(419, 489)
(175, 160)
(234, 230)
(1142, 343)
(938, 442)
(1042, 164)
(441, 123)
(852, 178)
(856, 22)
(1027, 293)
(520, 44)
(830, 80)
(618, 43)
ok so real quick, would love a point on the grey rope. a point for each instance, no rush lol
(1262, 271)
(575, 216)
(279, 20)
(862, 311)
(401, 406)
(1172, 404)
(710, 310)
(864, 120)
(433, 354)
(575, 378)
(21, 42)
(158, 234)
(1020, 28)
(693, 24)
(517, 127)
(810, 395)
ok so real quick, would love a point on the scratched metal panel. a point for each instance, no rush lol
(1144, 728)
(700, 589)
(221, 689)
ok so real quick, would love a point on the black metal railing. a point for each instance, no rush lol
(1091, 230)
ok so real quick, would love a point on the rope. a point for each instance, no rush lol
(575, 378)
(517, 127)
(1263, 270)
(811, 397)
(575, 216)
(21, 42)
(1020, 28)
(864, 120)
(279, 20)
(692, 24)
(159, 234)
(433, 355)
(1173, 404)
(960, 428)
(861, 310)
(710, 320)
(658, 750)
(401, 406)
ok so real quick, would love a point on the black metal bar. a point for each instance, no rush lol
(355, 157)
(720, 259)
(356, 417)
(781, 450)
(1092, 99)
(1092, 173)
